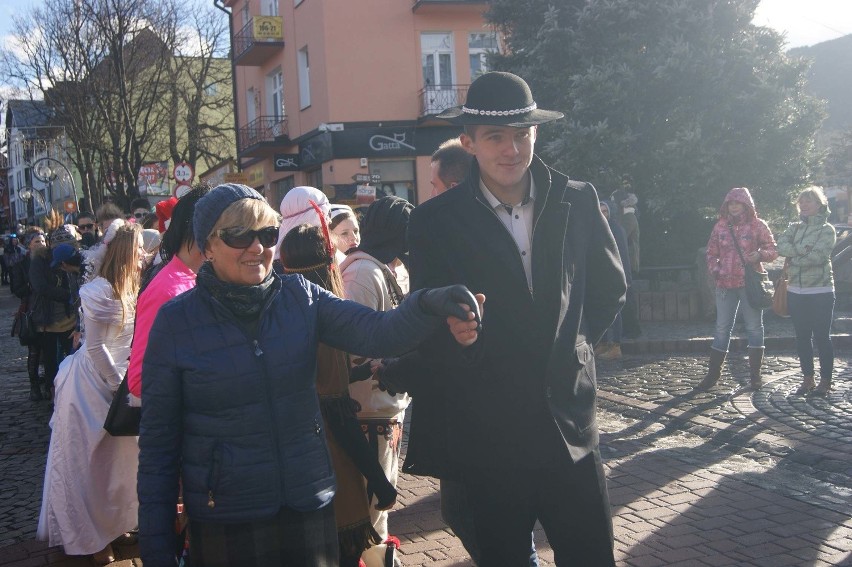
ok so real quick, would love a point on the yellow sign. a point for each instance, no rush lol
(242, 178)
(268, 27)
(255, 176)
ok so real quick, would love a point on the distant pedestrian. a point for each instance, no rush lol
(628, 208)
(610, 346)
(21, 288)
(807, 245)
(737, 220)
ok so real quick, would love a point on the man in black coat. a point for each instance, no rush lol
(512, 417)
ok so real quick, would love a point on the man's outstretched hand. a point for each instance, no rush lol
(462, 309)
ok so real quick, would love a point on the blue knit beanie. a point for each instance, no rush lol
(210, 207)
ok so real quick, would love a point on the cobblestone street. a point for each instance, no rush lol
(727, 477)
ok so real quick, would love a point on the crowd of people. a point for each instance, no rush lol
(274, 354)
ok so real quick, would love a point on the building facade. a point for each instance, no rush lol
(342, 95)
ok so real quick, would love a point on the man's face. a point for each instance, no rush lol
(504, 154)
(438, 186)
(85, 224)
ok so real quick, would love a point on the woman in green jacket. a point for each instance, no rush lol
(807, 244)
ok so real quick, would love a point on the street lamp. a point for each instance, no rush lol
(44, 169)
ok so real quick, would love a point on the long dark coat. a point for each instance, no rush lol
(526, 390)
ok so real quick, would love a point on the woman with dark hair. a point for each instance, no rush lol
(90, 479)
(35, 241)
(305, 251)
(807, 245)
(230, 399)
(175, 274)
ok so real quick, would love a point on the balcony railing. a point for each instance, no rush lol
(435, 99)
(260, 132)
(258, 40)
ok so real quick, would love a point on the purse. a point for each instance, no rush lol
(122, 419)
(24, 328)
(779, 298)
(758, 287)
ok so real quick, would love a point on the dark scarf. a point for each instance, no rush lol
(243, 301)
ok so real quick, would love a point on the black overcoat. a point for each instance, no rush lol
(526, 390)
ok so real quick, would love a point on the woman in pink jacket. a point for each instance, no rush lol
(175, 275)
(737, 219)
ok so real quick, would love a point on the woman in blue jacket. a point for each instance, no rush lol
(230, 406)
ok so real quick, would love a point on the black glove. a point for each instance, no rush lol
(360, 372)
(444, 302)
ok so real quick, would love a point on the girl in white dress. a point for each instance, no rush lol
(90, 480)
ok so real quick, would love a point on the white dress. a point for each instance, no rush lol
(90, 481)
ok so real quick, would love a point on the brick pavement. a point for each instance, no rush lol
(728, 477)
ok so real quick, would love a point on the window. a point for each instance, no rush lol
(436, 54)
(270, 7)
(397, 178)
(304, 79)
(279, 188)
(315, 178)
(211, 90)
(275, 88)
(251, 105)
(479, 45)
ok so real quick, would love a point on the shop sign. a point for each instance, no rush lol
(286, 162)
(390, 142)
(268, 27)
(316, 150)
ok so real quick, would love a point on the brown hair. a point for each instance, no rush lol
(304, 250)
(453, 162)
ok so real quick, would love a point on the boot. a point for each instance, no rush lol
(755, 361)
(807, 385)
(612, 353)
(35, 392)
(717, 359)
(824, 385)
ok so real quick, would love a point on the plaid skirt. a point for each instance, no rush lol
(290, 538)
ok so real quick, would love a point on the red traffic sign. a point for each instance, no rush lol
(183, 173)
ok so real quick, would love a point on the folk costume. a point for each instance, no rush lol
(513, 416)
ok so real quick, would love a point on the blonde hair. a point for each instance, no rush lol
(249, 214)
(52, 220)
(121, 266)
(815, 193)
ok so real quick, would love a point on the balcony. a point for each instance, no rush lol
(262, 136)
(435, 99)
(259, 40)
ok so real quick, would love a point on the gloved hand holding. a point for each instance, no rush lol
(361, 372)
(462, 309)
(448, 301)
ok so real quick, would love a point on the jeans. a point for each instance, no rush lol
(812, 315)
(455, 510)
(727, 303)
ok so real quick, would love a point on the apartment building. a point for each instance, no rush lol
(331, 93)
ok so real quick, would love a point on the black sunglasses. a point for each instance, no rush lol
(89, 226)
(139, 215)
(238, 237)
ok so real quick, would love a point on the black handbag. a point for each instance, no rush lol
(122, 419)
(24, 328)
(758, 286)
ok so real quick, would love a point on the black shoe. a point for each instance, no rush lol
(35, 394)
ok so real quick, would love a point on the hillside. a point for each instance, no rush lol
(831, 79)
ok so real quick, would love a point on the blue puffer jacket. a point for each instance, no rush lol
(237, 417)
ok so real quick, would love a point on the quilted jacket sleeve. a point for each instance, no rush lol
(159, 443)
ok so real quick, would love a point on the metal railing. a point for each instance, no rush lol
(435, 99)
(245, 40)
(262, 129)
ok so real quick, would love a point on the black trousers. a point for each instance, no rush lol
(54, 348)
(569, 499)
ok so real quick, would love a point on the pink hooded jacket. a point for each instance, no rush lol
(752, 233)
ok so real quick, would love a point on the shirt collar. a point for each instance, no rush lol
(495, 202)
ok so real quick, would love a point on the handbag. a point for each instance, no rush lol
(779, 298)
(24, 328)
(122, 419)
(758, 287)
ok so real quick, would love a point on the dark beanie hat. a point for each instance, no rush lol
(383, 229)
(210, 207)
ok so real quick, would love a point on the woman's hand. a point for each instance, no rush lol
(465, 331)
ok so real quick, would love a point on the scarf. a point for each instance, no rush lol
(243, 301)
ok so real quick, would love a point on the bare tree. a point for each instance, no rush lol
(118, 75)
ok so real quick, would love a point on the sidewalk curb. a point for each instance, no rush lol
(674, 346)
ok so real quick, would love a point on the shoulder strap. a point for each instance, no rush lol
(736, 243)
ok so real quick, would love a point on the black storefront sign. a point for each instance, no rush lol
(315, 151)
(286, 162)
(390, 142)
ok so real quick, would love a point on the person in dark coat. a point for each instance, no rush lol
(513, 415)
(230, 400)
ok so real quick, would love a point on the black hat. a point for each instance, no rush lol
(383, 229)
(501, 99)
